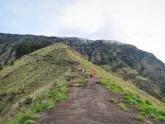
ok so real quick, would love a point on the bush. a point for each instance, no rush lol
(131, 98)
(11, 63)
(160, 118)
(123, 106)
(145, 107)
(140, 118)
(23, 118)
(27, 117)
(29, 122)
(113, 100)
(148, 103)
(28, 101)
(27, 114)
(111, 86)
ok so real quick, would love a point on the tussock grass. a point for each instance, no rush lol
(145, 107)
(123, 106)
(140, 118)
(26, 114)
(113, 100)
(111, 86)
(77, 79)
(126, 85)
(32, 73)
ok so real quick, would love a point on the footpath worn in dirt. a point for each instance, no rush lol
(87, 105)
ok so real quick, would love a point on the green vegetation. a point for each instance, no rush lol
(111, 86)
(145, 107)
(131, 98)
(113, 100)
(12, 63)
(140, 118)
(141, 68)
(33, 74)
(77, 79)
(125, 85)
(123, 106)
(26, 113)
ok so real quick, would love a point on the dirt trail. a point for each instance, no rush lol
(87, 105)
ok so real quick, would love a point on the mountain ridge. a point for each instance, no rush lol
(130, 63)
(45, 65)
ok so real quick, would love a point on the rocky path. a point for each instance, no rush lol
(87, 105)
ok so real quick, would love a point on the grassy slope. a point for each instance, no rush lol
(124, 84)
(48, 64)
(31, 73)
(119, 58)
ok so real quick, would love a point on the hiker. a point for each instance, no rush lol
(81, 70)
(92, 75)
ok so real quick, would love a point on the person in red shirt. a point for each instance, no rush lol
(91, 76)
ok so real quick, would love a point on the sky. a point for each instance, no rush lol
(137, 22)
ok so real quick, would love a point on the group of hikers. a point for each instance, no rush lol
(91, 74)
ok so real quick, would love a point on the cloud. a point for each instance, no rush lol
(137, 22)
(140, 22)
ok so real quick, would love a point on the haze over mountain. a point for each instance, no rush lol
(138, 22)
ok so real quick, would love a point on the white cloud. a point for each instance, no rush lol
(137, 22)
(82, 16)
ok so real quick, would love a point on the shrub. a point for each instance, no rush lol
(145, 107)
(27, 114)
(29, 122)
(28, 101)
(111, 86)
(23, 118)
(140, 118)
(131, 98)
(148, 102)
(11, 63)
(113, 100)
(27, 117)
(123, 106)
(160, 118)
(80, 80)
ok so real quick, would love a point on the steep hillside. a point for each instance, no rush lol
(31, 72)
(128, 62)
(142, 68)
(36, 71)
